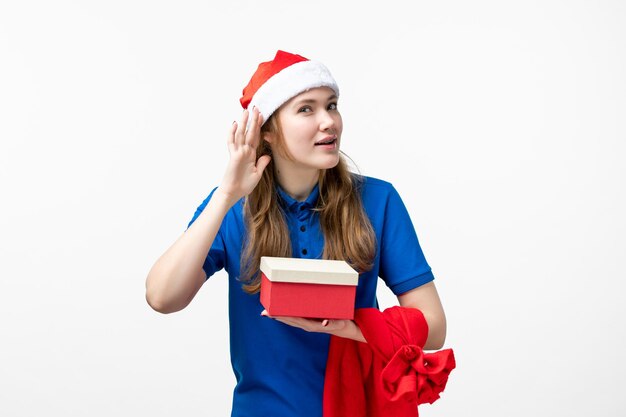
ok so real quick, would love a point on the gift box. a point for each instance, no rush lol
(312, 288)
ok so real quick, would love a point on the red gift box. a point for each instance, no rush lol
(312, 288)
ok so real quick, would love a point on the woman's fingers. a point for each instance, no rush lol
(230, 140)
(262, 163)
(254, 130)
(240, 133)
(247, 133)
(310, 325)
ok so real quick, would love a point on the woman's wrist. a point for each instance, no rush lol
(352, 331)
(225, 197)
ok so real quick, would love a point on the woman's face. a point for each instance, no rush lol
(311, 126)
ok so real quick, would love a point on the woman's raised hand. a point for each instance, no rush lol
(244, 171)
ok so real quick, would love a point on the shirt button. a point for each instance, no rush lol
(302, 228)
(304, 251)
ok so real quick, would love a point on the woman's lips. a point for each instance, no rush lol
(327, 144)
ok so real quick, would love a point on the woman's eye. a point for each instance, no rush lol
(304, 109)
(332, 106)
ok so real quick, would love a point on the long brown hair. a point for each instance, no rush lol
(348, 233)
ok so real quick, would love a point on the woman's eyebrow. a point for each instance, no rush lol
(310, 100)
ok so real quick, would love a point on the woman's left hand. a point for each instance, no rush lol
(341, 328)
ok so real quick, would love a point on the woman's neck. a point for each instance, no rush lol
(297, 182)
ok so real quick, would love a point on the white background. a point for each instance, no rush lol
(501, 124)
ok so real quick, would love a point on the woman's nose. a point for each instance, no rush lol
(327, 121)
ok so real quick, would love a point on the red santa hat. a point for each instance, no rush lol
(275, 82)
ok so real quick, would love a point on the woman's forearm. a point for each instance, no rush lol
(177, 275)
(436, 331)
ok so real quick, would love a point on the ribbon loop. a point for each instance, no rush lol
(417, 377)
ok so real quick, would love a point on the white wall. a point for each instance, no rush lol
(500, 123)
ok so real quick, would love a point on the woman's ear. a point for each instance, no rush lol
(267, 137)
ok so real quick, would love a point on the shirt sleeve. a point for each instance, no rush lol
(403, 266)
(215, 258)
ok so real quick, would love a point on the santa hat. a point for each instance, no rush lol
(275, 82)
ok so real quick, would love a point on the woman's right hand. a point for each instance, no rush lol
(244, 171)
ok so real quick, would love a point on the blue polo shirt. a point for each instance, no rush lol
(280, 369)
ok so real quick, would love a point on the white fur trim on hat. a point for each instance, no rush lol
(290, 82)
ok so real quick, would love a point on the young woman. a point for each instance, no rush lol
(287, 192)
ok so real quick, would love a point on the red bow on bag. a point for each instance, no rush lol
(416, 376)
(388, 376)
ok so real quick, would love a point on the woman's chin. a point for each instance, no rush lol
(330, 162)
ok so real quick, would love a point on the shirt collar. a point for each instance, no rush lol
(293, 204)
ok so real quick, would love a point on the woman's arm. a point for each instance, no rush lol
(177, 275)
(426, 299)
(341, 328)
